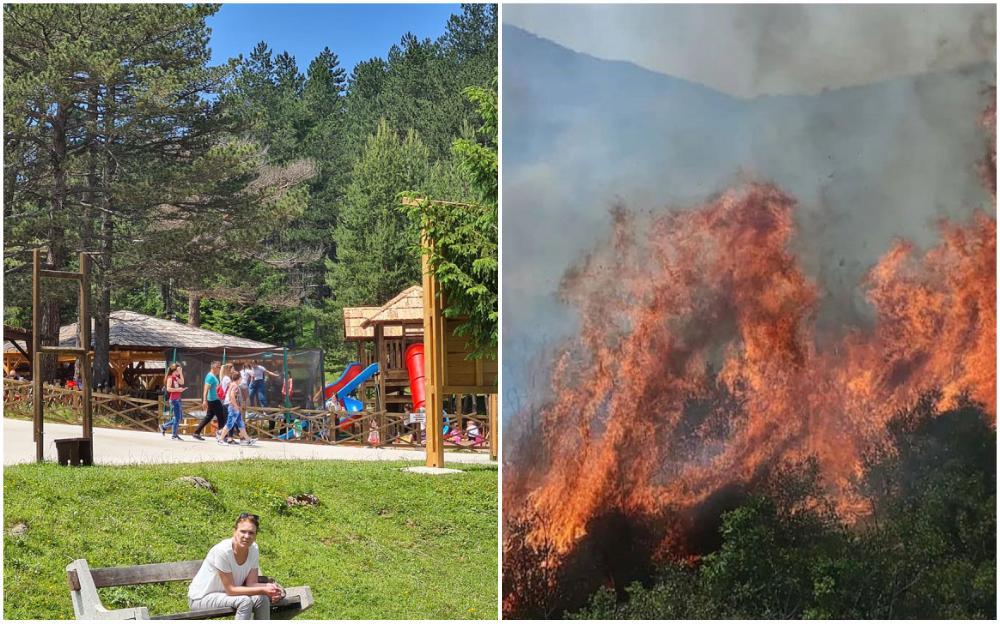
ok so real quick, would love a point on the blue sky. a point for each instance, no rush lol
(354, 32)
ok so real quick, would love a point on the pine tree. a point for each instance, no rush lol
(375, 241)
(115, 91)
(464, 255)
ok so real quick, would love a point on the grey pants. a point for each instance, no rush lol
(247, 607)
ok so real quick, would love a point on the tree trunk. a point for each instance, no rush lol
(105, 262)
(56, 260)
(168, 304)
(102, 311)
(100, 371)
(194, 310)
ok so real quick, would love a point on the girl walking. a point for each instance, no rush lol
(174, 380)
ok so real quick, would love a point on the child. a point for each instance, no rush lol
(452, 434)
(224, 384)
(472, 433)
(235, 398)
(373, 437)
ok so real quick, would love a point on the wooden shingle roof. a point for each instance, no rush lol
(353, 318)
(132, 330)
(407, 306)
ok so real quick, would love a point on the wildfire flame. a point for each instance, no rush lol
(698, 365)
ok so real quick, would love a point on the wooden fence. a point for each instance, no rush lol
(287, 424)
(63, 404)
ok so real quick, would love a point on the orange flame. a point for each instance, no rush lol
(697, 365)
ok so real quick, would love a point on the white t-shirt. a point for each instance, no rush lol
(258, 372)
(225, 386)
(245, 375)
(222, 559)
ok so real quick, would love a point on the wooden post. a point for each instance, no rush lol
(383, 361)
(433, 361)
(36, 352)
(491, 410)
(84, 330)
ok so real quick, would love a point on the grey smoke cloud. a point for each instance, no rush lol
(752, 50)
(874, 146)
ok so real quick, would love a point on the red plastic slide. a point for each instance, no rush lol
(414, 357)
(352, 371)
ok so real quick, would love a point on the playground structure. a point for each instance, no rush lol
(382, 335)
(394, 336)
(448, 368)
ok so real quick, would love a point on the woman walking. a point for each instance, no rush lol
(174, 379)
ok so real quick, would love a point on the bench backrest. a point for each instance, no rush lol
(140, 574)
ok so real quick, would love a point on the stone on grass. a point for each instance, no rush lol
(19, 529)
(308, 500)
(199, 482)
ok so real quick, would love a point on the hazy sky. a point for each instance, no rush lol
(749, 50)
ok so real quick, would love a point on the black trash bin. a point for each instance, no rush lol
(75, 451)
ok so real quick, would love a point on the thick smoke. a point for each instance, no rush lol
(866, 163)
(753, 50)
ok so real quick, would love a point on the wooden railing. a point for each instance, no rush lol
(289, 424)
(109, 410)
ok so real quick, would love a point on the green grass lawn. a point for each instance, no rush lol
(381, 544)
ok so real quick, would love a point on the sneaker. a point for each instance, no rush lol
(231, 441)
(198, 437)
(252, 442)
(220, 442)
(176, 438)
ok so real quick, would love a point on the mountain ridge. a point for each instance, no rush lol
(520, 36)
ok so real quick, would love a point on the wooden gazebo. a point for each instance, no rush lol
(138, 346)
(12, 336)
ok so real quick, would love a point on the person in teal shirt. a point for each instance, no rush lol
(211, 402)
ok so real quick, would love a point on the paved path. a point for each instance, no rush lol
(118, 446)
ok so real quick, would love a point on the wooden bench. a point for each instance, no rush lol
(84, 582)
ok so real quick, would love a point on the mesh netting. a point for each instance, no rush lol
(303, 367)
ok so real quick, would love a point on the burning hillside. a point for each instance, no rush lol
(698, 369)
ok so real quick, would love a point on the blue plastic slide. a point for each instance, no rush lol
(350, 403)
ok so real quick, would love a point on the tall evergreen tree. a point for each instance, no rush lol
(464, 234)
(120, 88)
(375, 239)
